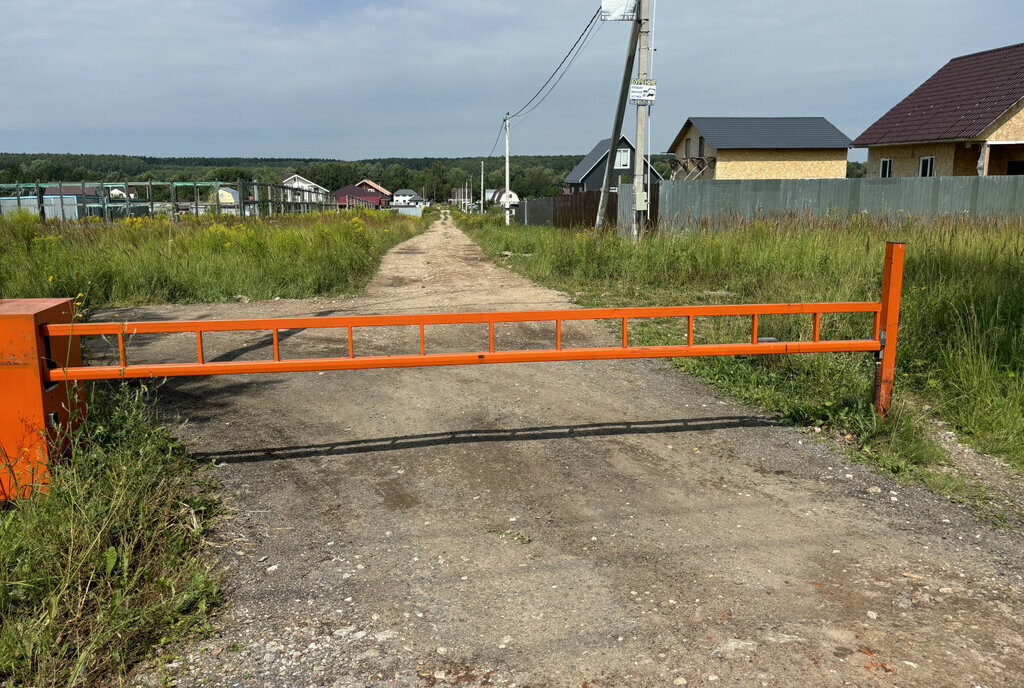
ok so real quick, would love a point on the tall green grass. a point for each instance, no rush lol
(961, 339)
(149, 261)
(108, 563)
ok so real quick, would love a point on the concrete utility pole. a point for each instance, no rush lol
(508, 219)
(620, 113)
(639, 187)
(481, 186)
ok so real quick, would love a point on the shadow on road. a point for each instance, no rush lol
(528, 434)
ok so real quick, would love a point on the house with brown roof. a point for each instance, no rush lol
(356, 196)
(966, 120)
(371, 185)
(759, 148)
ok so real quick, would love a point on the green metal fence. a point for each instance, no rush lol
(117, 200)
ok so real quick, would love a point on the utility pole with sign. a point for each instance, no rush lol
(640, 175)
(639, 92)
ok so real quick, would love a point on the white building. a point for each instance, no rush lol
(305, 191)
(497, 197)
(408, 198)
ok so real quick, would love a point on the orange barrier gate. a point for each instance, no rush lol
(40, 355)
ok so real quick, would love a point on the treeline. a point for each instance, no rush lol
(433, 178)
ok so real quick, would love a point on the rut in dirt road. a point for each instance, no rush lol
(560, 524)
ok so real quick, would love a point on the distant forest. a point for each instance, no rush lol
(434, 178)
(532, 175)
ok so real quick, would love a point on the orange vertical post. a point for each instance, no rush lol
(892, 286)
(34, 416)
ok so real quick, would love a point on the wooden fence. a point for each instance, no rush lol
(567, 211)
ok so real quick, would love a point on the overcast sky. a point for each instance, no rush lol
(405, 78)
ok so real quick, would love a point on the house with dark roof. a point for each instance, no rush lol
(589, 173)
(967, 119)
(759, 148)
(407, 198)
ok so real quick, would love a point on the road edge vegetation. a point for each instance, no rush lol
(961, 350)
(146, 261)
(111, 562)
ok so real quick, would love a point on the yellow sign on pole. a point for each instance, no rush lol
(642, 91)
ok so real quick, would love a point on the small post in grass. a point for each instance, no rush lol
(892, 285)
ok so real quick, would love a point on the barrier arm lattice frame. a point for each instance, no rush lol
(39, 337)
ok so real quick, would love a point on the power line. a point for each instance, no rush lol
(586, 30)
(586, 41)
(575, 51)
(497, 138)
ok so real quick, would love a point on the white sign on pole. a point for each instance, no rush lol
(642, 91)
(618, 10)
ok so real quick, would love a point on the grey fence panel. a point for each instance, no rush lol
(921, 196)
(537, 211)
(880, 196)
(625, 215)
(677, 204)
(684, 204)
(803, 198)
(1002, 197)
(957, 195)
(761, 197)
(720, 197)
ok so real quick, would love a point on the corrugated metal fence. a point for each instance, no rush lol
(684, 204)
(536, 211)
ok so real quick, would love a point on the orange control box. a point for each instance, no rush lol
(35, 416)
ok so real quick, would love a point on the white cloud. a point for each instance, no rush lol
(353, 80)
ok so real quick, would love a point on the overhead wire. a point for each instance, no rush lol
(589, 27)
(581, 42)
(590, 37)
(497, 138)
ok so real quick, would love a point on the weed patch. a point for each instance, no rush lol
(142, 261)
(107, 564)
(511, 535)
(961, 347)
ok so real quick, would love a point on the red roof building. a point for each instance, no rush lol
(966, 120)
(354, 196)
(371, 185)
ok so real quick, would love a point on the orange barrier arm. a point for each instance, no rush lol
(353, 362)
(892, 286)
(32, 330)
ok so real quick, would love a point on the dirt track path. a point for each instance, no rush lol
(674, 536)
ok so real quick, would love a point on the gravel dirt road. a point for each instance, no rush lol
(560, 524)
